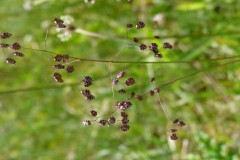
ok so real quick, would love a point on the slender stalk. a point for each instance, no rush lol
(160, 86)
(141, 62)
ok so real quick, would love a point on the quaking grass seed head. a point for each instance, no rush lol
(140, 25)
(124, 127)
(112, 120)
(59, 66)
(4, 45)
(18, 54)
(15, 46)
(143, 47)
(121, 74)
(86, 122)
(130, 81)
(10, 61)
(70, 69)
(5, 35)
(173, 137)
(93, 113)
(129, 25)
(103, 122)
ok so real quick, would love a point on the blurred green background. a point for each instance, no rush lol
(42, 120)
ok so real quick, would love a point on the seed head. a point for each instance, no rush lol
(59, 23)
(143, 47)
(5, 35)
(70, 69)
(103, 122)
(58, 58)
(112, 120)
(4, 45)
(123, 105)
(167, 45)
(181, 123)
(173, 137)
(86, 122)
(90, 97)
(59, 66)
(151, 92)
(129, 26)
(140, 97)
(153, 79)
(115, 81)
(58, 20)
(93, 113)
(125, 120)
(18, 54)
(140, 25)
(87, 81)
(124, 127)
(176, 121)
(135, 39)
(16, 46)
(157, 90)
(86, 92)
(10, 61)
(65, 57)
(121, 74)
(158, 55)
(124, 114)
(172, 130)
(122, 91)
(153, 46)
(58, 77)
(130, 81)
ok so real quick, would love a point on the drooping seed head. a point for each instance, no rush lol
(15, 46)
(10, 61)
(140, 25)
(129, 26)
(172, 130)
(122, 91)
(103, 122)
(87, 81)
(143, 47)
(121, 74)
(70, 69)
(18, 54)
(4, 45)
(173, 137)
(130, 81)
(90, 97)
(86, 92)
(5, 35)
(115, 81)
(93, 113)
(135, 39)
(59, 66)
(124, 127)
(167, 45)
(86, 122)
(112, 120)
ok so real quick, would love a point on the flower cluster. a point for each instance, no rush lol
(59, 23)
(123, 105)
(14, 48)
(172, 131)
(87, 81)
(87, 93)
(61, 64)
(153, 47)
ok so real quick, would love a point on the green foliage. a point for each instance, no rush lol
(44, 120)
